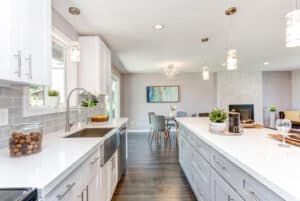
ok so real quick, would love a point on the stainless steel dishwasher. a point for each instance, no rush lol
(122, 152)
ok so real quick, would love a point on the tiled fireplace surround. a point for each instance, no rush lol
(12, 98)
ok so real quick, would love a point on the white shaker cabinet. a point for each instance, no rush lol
(26, 41)
(95, 65)
(221, 189)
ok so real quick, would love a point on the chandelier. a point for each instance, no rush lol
(170, 72)
(205, 73)
(75, 51)
(293, 28)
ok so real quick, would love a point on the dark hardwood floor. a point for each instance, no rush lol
(153, 174)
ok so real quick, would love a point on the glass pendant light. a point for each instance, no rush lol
(205, 73)
(232, 59)
(293, 28)
(75, 51)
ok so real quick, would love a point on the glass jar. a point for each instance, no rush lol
(25, 139)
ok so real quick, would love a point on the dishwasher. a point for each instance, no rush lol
(122, 152)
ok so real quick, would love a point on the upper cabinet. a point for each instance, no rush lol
(26, 41)
(95, 65)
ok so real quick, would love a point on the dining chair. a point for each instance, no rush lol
(159, 128)
(149, 119)
(181, 114)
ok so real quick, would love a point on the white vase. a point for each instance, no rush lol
(272, 119)
(52, 101)
(217, 127)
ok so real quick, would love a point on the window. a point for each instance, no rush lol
(38, 94)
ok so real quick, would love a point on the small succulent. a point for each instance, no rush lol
(272, 109)
(52, 92)
(89, 100)
(217, 115)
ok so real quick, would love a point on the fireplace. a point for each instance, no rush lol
(246, 112)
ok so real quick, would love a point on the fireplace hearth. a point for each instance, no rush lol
(246, 112)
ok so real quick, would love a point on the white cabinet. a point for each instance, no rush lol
(114, 173)
(26, 41)
(221, 190)
(95, 65)
(104, 182)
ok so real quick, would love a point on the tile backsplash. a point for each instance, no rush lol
(11, 98)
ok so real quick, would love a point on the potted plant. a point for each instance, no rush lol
(89, 100)
(217, 119)
(272, 111)
(53, 98)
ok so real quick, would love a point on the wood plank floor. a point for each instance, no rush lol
(153, 174)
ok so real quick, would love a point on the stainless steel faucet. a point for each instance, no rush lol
(68, 123)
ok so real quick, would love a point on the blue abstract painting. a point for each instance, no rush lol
(162, 94)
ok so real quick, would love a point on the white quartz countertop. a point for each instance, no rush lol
(59, 157)
(257, 154)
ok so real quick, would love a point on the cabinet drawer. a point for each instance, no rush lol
(252, 190)
(201, 148)
(92, 165)
(221, 190)
(188, 136)
(68, 189)
(201, 181)
(201, 167)
(232, 174)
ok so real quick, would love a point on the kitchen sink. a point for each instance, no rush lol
(90, 132)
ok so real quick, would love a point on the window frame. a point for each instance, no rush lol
(28, 110)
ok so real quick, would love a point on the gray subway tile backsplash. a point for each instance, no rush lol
(12, 98)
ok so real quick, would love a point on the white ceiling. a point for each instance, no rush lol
(126, 26)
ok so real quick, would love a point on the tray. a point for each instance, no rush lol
(288, 139)
(253, 125)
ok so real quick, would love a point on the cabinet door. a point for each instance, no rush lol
(104, 182)
(221, 191)
(37, 58)
(114, 173)
(11, 12)
(94, 188)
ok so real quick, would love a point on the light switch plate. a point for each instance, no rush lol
(3, 117)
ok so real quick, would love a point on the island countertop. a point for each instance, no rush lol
(59, 157)
(257, 154)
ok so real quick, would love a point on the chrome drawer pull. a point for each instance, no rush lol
(69, 187)
(94, 161)
(253, 194)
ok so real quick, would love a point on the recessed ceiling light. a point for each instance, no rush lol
(205, 39)
(158, 26)
(266, 63)
(74, 11)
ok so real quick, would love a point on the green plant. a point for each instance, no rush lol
(52, 92)
(272, 109)
(89, 100)
(217, 115)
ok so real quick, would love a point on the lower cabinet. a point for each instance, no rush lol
(221, 190)
(88, 182)
(215, 178)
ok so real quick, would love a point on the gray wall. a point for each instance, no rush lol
(296, 90)
(277, 90)
(196, 95)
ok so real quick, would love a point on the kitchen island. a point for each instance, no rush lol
(60, 159)
(247, 167)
